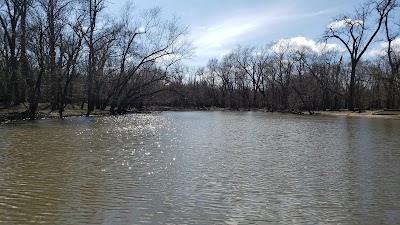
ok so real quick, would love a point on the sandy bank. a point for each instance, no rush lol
(379, 114)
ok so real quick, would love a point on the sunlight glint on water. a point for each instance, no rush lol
(200, 168)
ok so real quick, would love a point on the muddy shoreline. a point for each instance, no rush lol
(16, 114)
(373, 114)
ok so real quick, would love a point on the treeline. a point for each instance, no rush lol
(294, 75)
(294, 80)
(63, 52)
(70, 51)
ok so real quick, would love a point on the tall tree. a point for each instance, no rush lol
(94, 7)
(71, 50)
(393, 57)
(357, 32)
(38, 48)
(23, 7)
(9, 19)
(55, 11)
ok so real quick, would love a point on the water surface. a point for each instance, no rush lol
(200, 168)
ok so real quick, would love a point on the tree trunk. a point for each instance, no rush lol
(352, 88)
(14, 80)
(91, 64)
(52, 53)
(390, 102)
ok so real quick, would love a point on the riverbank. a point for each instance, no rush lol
(15, 113)
(373, 114)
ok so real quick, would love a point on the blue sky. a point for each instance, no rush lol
(218, 26)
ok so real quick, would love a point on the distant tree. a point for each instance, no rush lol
(212, 78)
(252, 62)
(326, 68)
(301, 81)
(283, 69)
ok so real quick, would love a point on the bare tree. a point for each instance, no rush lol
(9, 19)
(99, 37)
(71, 48)
(283, 69)
(23, 7)
(393, 57)
(38, 62)
(253, 62)
(147, 41)
(55, 11)
(326, 70)
(93, 7)
(355, 33)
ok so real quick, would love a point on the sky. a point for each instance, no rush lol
(218, 26)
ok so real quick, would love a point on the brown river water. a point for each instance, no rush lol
(200, 168)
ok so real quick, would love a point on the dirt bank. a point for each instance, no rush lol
(17, 113)
(379, 114)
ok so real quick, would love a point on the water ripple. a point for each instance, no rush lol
(200, 168)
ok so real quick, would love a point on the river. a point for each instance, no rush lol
(200, 168)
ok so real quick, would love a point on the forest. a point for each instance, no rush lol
(70, 52)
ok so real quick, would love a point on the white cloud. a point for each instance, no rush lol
(302, 43)
(344, 23)
(382, 50)
(219, 38)
(395, 44)
(218, 35)
(376, 53)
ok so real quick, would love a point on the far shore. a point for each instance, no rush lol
(13, 114)
(374, 114)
